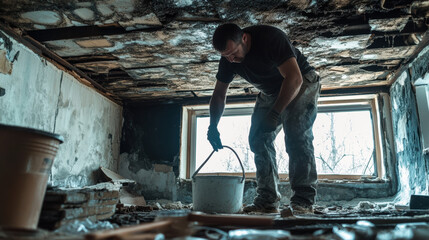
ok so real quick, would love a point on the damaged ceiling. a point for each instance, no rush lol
(160, 50)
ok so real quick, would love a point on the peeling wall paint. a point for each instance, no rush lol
(413, 165)
(7, 54)
(5, 64)
(91, 126)
(41, 96)
(151, 184)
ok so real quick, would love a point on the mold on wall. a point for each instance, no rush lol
(412, 164)
(39, 95)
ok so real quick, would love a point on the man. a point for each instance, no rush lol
(289, 89)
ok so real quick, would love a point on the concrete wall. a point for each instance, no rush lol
(412, 164)
(41, 96)
(150, 148)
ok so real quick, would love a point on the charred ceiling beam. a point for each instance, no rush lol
(354, 90)
(195, 95)
(151, 84)
(187, 100)
(75, 32)
(81, 32)
(356, 30)
(91, 58)
(249, 96)
(346, 23)
(389, 4)
(104, 79)
(349, 23)
(394, 40)
(423, 43)
(413, 25)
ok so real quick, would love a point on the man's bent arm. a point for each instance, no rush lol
(291, 84)
(217, 102)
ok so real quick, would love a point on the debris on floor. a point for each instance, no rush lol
(62, 205)
(129, 215)
(419, 202)
(164, 219)
(84, 227)
(249, 234)
(115, 178)
(127, 196)
(406, 231)
(360, 230)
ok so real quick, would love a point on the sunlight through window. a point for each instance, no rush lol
(346, 143)
(343, 143)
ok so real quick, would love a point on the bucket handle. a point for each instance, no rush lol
(242, 168)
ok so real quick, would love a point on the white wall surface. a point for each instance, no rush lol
(41, 96)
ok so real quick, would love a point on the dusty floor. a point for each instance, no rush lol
(361, 220)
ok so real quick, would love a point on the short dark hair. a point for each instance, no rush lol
(225, 32)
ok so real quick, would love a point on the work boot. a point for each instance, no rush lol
(260, 209)
(299, 208)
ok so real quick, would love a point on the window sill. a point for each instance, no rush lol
(336, 181)
(324, 179)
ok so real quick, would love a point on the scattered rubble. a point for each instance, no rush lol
(163, 219)
(62, 206)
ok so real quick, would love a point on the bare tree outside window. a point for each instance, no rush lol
(344, 143)
(234, 131)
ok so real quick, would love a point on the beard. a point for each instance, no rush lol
(241, 59)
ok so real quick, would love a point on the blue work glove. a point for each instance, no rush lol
(214, 138)
(270, 121)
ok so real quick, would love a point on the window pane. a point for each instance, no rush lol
(234, 132)
(343, 143)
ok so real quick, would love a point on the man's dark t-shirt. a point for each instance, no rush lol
(270, 48)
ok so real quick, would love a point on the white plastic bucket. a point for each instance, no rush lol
(26, 158)
(218, 194)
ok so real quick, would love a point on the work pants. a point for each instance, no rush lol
(297, 122)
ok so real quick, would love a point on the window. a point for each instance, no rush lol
(346, 140)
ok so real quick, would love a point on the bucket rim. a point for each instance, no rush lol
(32, 130)
(216, 176)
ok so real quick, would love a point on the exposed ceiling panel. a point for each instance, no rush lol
(140, 51)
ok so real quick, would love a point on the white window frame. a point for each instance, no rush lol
(190, 113)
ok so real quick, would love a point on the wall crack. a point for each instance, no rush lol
(58, 101)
